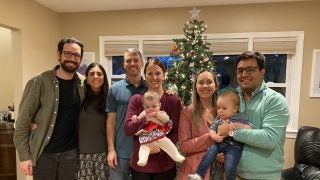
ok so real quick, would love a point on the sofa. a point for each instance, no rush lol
(306, 156)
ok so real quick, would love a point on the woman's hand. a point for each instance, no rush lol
(170, 92)
(33, 126)
(112, 159)
(220, 157)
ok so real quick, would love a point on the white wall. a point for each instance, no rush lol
(6, 70)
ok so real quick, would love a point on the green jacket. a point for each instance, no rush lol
(263, 153)
(39, 105)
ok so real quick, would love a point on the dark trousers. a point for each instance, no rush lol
(232, 154)
(166, 175)
(57, 166)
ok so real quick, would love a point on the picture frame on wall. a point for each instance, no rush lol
(315, 74)
(88, 58)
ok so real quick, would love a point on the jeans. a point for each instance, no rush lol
(122, 170)
(56, 166)
(232, 154)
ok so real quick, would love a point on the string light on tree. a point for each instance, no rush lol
(194, 54)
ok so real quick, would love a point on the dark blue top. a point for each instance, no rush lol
(238, 117)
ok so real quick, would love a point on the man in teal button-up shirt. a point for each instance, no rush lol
(263, 154)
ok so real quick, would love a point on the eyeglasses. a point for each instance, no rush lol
(248, 70)
(69, 54)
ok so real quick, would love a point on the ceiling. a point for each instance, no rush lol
(63, 6)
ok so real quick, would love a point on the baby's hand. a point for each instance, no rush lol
(151, 114)
(216, 136)
(141, 131)
(134, 118)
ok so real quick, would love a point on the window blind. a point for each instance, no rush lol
(228, 46)
(157, 47)
(117, 48)
(283, 45)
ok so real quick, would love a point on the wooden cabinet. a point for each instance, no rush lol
(7, 152)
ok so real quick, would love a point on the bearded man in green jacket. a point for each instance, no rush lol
(51, 101)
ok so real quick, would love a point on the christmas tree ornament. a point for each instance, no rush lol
(206, 59)
(194, 13)
(174, 49)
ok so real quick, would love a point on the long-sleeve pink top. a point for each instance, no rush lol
(193, 141)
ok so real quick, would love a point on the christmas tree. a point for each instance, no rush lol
(193, 54)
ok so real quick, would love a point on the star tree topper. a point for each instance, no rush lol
(194, 13)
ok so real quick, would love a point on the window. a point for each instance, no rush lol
(283, 51)
(276, 65)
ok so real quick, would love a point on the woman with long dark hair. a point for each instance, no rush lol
(92, 126)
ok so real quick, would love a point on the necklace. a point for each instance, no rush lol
(208, 116)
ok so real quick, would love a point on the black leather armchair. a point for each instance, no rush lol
(306, 155)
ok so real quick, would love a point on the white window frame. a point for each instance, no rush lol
(293, 71)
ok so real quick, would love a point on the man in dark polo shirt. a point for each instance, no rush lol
(119, 144)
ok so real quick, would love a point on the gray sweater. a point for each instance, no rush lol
(92, 130)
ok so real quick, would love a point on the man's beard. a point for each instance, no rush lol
(69, 69)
